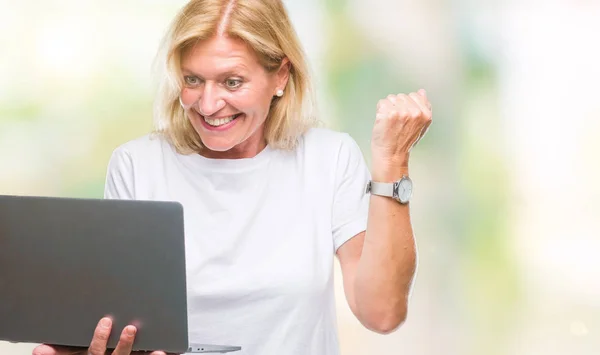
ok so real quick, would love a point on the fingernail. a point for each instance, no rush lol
(130, 330)
(106, 322)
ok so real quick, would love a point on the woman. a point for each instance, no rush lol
(269, 198)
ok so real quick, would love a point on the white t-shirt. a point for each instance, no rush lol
(261, 235)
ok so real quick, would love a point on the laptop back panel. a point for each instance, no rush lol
(66, 263)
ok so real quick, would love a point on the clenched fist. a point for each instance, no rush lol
(401, 121)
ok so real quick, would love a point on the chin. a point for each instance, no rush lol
(217, 144)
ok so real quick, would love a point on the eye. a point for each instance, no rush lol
(233, 83)
(191, 80)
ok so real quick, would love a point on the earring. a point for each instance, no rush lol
(279, 93)
(180, 102)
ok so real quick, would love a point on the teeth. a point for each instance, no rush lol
(218, 121)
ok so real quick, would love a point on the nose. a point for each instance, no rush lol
(210, 101)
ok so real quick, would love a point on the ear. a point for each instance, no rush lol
(283, 74)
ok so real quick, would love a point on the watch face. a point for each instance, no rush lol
(405, 190)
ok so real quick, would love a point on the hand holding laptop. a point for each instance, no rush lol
(65, 249)
(98, 343)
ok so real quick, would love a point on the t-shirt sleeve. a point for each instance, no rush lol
(119, 182)
(351, 203)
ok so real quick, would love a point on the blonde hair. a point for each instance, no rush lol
(265, 27)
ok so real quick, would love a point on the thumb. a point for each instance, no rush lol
(422, 92)
(44, 350)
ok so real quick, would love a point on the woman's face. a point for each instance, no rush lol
(227, 95)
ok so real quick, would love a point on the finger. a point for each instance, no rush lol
(423, 93)
(381, 116)
(384, 105)
(392, 98)
(421, 101)
(396, 105)
(407, 102)
(156, 352)
(126, 341)
(399, 99)
(100, 339)
(410, 107)
(46, 349)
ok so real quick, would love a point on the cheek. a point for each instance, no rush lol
(187, 97)
(252, 102)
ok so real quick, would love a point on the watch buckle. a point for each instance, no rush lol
(395, 190)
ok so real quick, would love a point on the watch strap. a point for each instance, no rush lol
(381, 188)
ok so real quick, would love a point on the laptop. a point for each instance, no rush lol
(67, 262)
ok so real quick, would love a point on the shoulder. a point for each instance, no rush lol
(330, 145)
(144, 152)
(333, 153)
(327, 140)
(147, 144)
(324, 136)
(122, 166)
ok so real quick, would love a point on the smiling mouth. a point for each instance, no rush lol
(216, 122)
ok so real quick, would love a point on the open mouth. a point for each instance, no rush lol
(217, 122)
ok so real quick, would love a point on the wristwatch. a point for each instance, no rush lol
(400, 190)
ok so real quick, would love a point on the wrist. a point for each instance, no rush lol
(388, 171)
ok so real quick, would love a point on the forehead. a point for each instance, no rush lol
(219, 54)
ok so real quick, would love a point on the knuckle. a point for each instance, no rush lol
(394, 113)
(401, 113)
(125, 339)
(414, 113)
(101, 335)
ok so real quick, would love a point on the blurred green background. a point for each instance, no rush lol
(505, 210)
